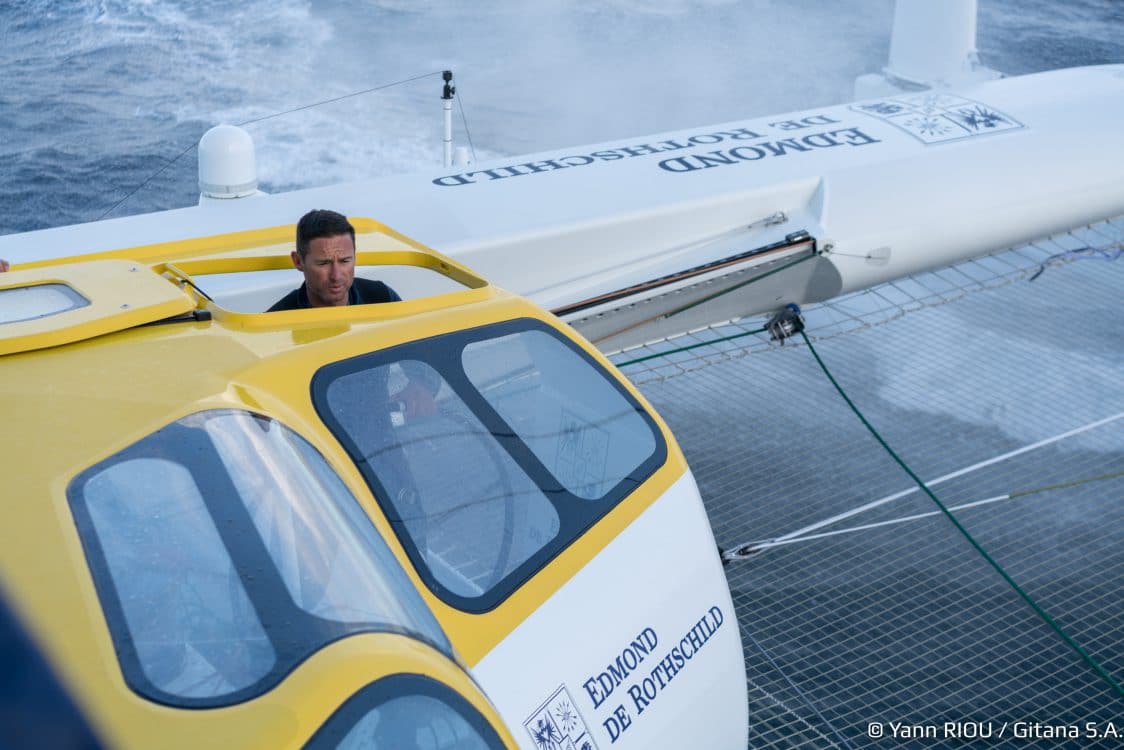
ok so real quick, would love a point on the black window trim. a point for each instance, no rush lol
(386, 689)
(284, 623)
(443, 352)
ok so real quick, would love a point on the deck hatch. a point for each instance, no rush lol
(38, 301)
(50, 306)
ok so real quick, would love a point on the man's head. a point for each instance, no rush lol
(325, 254)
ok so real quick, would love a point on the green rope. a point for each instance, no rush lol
(714, 296)
(688, 348)
(920, 483)
(736, 287)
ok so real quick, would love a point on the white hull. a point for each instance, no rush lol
(886, 188)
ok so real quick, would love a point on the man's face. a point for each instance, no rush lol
(329, 268)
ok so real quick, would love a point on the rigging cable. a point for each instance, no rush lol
(181, 154)
(464, 121)
(339, 98)
(743, 551)
(1085, 656)
(1109, 253)
(736, 287)
(710, 342)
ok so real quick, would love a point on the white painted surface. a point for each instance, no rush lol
(563, 225)
(587, 624)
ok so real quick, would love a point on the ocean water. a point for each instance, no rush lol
(101, 98)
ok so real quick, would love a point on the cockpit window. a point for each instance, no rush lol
(490, 450)
(190, 618)
(406, 712)
(582, 428)
(225, 551)
(464, 503)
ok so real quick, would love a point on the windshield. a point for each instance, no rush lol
(489, 450)
(225, 551)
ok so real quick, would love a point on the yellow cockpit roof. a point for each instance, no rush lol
(136, 344)
(45, 307)
(143, 344)
(64, 300)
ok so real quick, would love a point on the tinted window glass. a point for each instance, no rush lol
(406, 712)
(332, 563)
(489, 450)
(190, 620)
(225, 551)
(471, 511)
(578, 424)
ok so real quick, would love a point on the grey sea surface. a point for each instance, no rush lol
(905, 621)
(101, 97)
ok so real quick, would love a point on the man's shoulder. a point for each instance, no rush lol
(370, 291)
(290, 301)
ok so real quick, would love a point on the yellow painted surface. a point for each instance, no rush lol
(99, 283)
(69, 406)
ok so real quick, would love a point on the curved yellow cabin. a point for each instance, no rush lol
(224, 527)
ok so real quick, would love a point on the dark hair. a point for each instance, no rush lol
(321, 223)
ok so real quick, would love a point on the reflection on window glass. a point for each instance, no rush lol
(226, 551)
(470, 510)
(415, 721)
(324, 547)
(191, 622)
(406, 712)
(489, 449)
(576, 422)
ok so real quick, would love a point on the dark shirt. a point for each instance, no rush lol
(362, 292)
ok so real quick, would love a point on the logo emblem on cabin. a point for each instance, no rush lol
(557, 725)
(936, 118)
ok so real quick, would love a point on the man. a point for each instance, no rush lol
(325, 254)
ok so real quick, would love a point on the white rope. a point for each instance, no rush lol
(803, 533)
(866, 527)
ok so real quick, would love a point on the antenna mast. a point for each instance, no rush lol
(447, 100)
